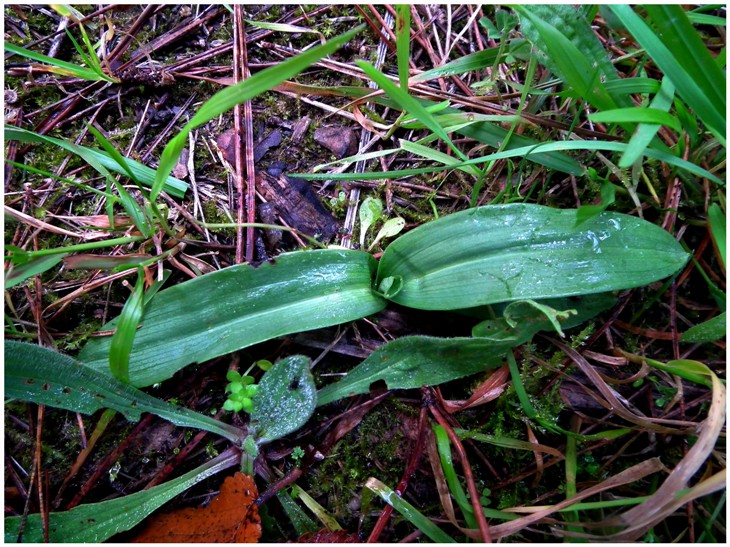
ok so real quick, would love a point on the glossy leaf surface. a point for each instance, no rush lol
(416, 361)
(239, 306)
(46, 377)
(520, 251)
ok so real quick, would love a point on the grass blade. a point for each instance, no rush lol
(645, 132)
(144, 174)
(637, 115)
(126, 329)
(97, 522)
(410, 513)
(681, 56)
(62, 68)
(408, 104)
(229, 97)
(528, 152)
(403, 42)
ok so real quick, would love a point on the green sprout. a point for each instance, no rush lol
(241, 390)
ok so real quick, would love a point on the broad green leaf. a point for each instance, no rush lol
(417, 361)
(144, 174)
(707, 331)
(371, 210)
(238, 306)
(44, 376)
(20, 272)
(97, 522)
(718, 229)
(521, 251)
(229, 97)
(285, 400)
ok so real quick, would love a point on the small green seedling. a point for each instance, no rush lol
(371, 211)
(241, 390)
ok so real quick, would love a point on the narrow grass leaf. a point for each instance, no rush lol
(435, 155)
(408, 104)
(229, 97)
(19, 273)
(70, 182)
(718, 229)
(416, 361)
(46, 377)
(408, 512)
(238, 306)
(683, 59)
(97, 522)
(403, 42)
(522, 251)
(125, 331)
(281, 27)
(144, 174)
(452, 480)
(637, 115)
(474, 61)
(57, 66)
(646, 131)
(528, 152)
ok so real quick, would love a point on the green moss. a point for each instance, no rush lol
(377, 447)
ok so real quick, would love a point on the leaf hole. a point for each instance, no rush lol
(46, 387)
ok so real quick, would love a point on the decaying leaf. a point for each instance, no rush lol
(232, 517)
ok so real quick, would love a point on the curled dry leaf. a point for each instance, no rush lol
(232, 517)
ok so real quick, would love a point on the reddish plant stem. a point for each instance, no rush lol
(113, 456)
(468, 476)
(407, 473)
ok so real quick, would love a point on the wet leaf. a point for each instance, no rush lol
(371, 210)
(232, 517)
(43, 376)
(512, 252)
(285, 400)
(238, 306)
(416, 361)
